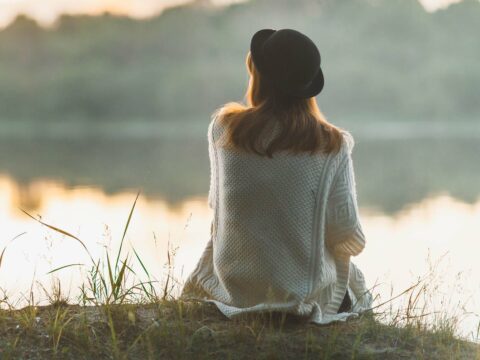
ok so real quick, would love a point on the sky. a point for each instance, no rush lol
(47, 11)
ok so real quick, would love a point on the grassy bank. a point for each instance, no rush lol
(123, 312)
(191, 330)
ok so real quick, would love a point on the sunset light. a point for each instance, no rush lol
(47, 11)
(241, 179)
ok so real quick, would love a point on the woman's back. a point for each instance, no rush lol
(264, 210)
(283, 193)
(273, 220)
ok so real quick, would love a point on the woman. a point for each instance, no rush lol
(283, 193)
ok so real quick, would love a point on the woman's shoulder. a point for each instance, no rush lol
(348, 142)
(346, 146)
(220, 118)
(216, 124)
(338, 159)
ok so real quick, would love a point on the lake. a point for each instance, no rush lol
(418, 189)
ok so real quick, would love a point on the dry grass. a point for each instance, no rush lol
(119, 316)
(186, 330)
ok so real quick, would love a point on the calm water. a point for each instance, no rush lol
(419, 197)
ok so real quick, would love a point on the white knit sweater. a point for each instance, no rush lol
(284, 229)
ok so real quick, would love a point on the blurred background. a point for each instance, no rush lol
(101, 99)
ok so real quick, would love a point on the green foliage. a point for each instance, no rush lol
(382, 59)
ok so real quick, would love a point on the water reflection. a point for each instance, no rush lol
(397, 251)
(98, 220)
(391, 173)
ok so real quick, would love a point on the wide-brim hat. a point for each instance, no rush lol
(289, 60)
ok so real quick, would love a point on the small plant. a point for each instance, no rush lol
(55, 296)
(113, 280)
(56, 327)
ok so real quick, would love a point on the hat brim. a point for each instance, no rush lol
(313, 89)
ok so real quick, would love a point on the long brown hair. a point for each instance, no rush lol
(303, 128)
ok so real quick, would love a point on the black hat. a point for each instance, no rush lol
(290, 60)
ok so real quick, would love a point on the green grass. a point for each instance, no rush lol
(123, 313)
(173, 329)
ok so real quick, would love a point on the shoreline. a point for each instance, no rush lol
(145, 129)
(174, 329)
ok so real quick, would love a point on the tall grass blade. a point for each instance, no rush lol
(63, 232)
(63, 267)
(397, 296)
(110, 275)
(5, 248)
(119, 279)
(1, 255)
(125, 229)
(141, 262)
(150, 293)
(16, 237)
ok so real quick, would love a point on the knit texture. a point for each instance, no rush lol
(284, 229)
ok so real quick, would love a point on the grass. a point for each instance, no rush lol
(119, 316)
(173, 329)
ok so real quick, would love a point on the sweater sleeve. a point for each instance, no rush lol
(213, 170)
(344, 235)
